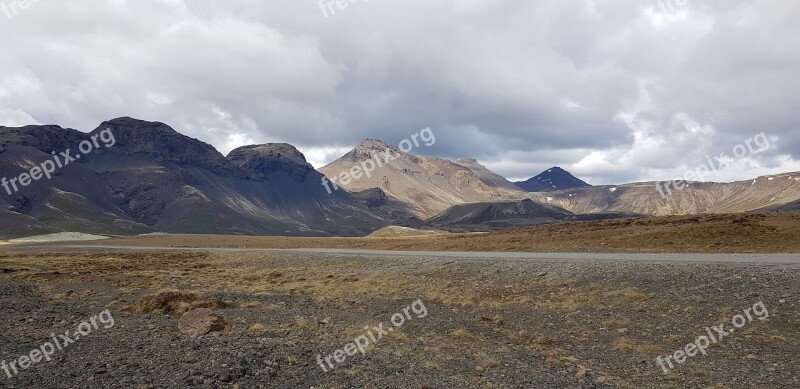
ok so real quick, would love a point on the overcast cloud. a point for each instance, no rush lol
(612, 90)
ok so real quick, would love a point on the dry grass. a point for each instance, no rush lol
(463, 335)
(527, 339)
(258, 327)
(260, 274)
(736, 233)
(634, 295)
(616, 322)
(532, 316)
(488, 363)
(398, 336)
(174, 303)
(699, 373)
(568, 360)
(303, 322)
(625, 344)
(432, 366)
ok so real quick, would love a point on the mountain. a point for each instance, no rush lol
(487, 176)
(144, 176)
(271, 160)
(763, 193)
(508, 214)
(155, 179)
(494, 215)
(551, 180)
(426, 185)
(72, 199)
(298, 187)
(794, 206)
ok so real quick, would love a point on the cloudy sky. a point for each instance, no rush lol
(612, 90)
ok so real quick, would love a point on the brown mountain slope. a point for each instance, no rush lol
(487, 176)
(710, 197)
(426, 185)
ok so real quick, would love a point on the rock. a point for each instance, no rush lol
(495, 320)
(201, 321)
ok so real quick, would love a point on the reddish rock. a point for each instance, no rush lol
(201, 321)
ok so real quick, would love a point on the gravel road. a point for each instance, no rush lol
(758, 259)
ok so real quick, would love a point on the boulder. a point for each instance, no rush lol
(201, 321)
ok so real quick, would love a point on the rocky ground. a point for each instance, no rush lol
(498, 324)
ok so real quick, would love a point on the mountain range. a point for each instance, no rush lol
(154, 179)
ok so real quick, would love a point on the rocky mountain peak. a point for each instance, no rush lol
(264, 160)
(46, 138)
(369, 147)
(373, 144)
(162, 143)
(269, 150)
(130, 124)
(487, 176)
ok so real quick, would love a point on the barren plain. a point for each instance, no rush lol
(736, 233)
(491, 322)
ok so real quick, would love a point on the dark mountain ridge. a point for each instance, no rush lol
(155, 179)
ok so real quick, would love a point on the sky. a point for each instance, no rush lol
(614, 91)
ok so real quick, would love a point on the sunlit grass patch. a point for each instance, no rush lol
(625, 344)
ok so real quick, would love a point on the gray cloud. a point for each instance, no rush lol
(613, 90)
